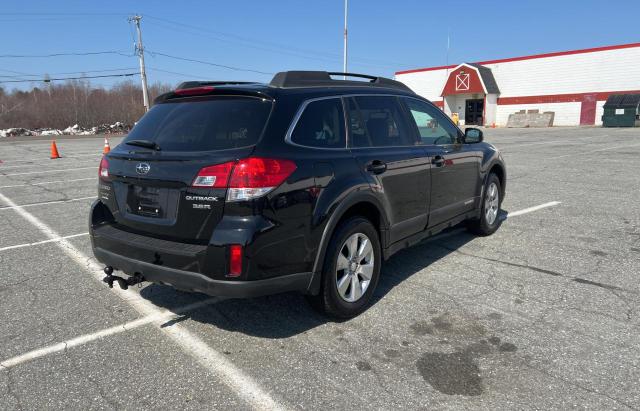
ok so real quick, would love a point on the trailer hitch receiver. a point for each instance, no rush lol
(124, 283)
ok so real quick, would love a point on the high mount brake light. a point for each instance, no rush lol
(247, 178)
(194, 91)
(103, 170)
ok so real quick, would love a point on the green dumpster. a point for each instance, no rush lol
(622, 110)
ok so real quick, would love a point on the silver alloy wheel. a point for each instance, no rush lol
(354, 267)
(491, 203)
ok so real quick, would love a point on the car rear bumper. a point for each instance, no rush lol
(190, 281)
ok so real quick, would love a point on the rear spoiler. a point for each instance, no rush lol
(192, 84)
(205, 88)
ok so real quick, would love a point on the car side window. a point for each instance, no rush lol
(431, 123)
(377, 121)
(321, 125)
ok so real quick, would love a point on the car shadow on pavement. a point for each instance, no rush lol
(273, 316)
(411, 260)
(289, 314)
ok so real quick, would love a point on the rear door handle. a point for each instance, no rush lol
(438, 161)
(377, 167)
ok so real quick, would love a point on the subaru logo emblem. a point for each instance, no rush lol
(143, 168)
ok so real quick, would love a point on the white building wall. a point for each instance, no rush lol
(610, 70)
(588, 72)
(600, 71)
(566, 114)
(428, 84)
(490, 109)
(599, 112)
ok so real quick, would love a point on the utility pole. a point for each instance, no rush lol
(140, 53)
(344, 66)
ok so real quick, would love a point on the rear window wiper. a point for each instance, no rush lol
(143, 143)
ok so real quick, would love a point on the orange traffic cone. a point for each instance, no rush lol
(54, 150)
(107, 147)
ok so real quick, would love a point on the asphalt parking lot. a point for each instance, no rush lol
(542, 315)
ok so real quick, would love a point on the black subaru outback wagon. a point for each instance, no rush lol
(307, 183)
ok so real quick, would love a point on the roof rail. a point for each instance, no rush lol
(192, 84)
(289, 79)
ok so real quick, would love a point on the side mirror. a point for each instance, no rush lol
(473, 135)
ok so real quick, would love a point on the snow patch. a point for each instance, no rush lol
(74, 130)
(50, 132)
(11, 132)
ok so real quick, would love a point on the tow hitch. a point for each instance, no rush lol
(124, 283)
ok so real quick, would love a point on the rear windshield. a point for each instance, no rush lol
(203, 124)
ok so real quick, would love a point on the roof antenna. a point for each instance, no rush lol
(448, 48)
(344, 65)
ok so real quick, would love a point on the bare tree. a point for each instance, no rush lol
(74, 102)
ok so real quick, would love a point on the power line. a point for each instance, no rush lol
(154, 53)
(88, 53)
(95, 71)
(243, 44)
(283, 49)
(176, 73)
(62, 14)
(252, 44)
(183, 75)
(133, 35)
(70, 72)
(35, 19)
(69, 78)
(240, 38)
(17, 72)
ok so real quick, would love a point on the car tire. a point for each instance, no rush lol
(490, 218)
(351, 270)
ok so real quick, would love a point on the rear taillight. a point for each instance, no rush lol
(247, 178)
(103, 170)
(214, 176)
(235, 260)
(254, 177)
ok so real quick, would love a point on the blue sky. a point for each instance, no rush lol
(270, 36)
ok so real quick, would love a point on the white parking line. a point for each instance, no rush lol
(87, 338)
(192, 343)
(16, 206)
(41, 163)
(577, 153)
(51, 240)
(45, 156)
(532, 209)
(456, 231)
(48, 171)
(517, 144)
(49, 182)
(227, 373)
